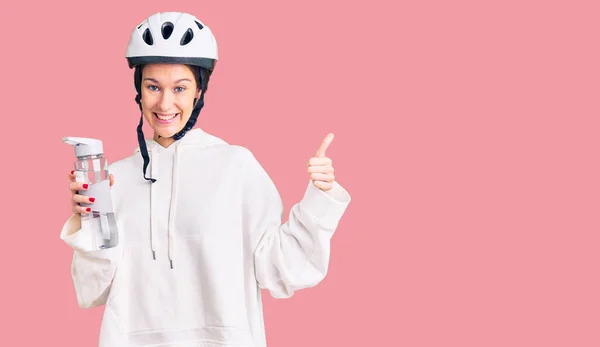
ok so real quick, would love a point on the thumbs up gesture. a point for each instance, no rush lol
(320, 167)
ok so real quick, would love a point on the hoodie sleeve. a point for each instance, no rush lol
(92, 270)
(293, 255)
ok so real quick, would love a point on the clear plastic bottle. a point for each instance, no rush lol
(92, 168)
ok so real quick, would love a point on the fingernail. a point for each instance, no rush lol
(72, 172)
(92, 199)
(85, 185)
(88, 209)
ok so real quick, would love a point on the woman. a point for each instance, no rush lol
(200, 221)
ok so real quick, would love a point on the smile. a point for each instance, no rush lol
(165, 118)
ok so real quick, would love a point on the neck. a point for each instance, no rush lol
(163, 141)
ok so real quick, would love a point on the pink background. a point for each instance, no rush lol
(466, 133)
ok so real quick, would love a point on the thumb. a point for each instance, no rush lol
(324, 144)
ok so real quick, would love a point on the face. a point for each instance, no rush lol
(168, 92)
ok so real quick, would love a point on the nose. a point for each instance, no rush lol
(166, 101)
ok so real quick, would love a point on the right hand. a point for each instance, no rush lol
(77, 198)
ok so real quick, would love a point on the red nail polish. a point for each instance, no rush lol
(72, 172)
(88, 209)
(85, 186)
(92, 199)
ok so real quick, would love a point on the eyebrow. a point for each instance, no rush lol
(155, 81)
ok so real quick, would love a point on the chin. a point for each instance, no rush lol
(167, 132)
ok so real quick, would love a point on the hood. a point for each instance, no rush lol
(193, 139)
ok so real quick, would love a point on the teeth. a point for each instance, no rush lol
(165, 117)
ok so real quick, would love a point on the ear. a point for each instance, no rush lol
(198, 92)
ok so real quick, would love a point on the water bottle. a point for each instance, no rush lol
(92, 168)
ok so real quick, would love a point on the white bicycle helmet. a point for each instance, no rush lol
(172, 38)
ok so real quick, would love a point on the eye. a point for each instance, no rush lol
(179, 89)
(152, 88)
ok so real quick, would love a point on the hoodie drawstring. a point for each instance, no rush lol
(171, 234)
(153, 227)
(154, 163)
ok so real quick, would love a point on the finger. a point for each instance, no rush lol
(322, 177)
(320, 169)
(112, 179)
(72, 176)
(324, 144)
(319, 161)
(75, 186)
(81, 210)
(77, 198)
(323, 185)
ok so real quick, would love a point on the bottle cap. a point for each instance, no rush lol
(84, 146)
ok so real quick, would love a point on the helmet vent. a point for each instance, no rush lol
(200, 26)
(167, 30)
(187, 37)
(147, 37)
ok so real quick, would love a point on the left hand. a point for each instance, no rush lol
(320, 167)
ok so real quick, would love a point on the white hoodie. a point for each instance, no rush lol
(196, 247)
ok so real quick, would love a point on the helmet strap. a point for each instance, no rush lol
(143, 148)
